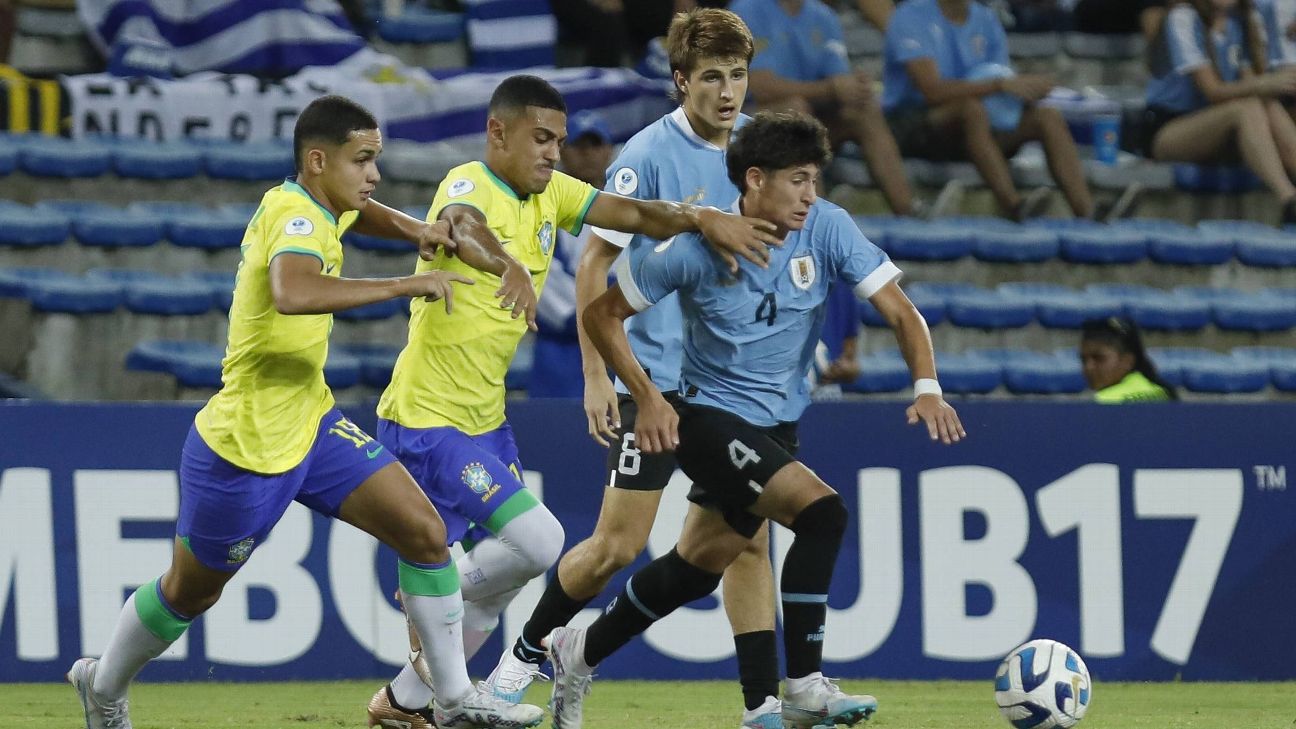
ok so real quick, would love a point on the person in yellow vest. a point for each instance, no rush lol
(1117, 367)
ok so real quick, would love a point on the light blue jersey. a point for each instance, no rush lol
(1185, 50)
(807, 46)
(666, 160)
(918, 29)
(749, 342)
(1278, 15)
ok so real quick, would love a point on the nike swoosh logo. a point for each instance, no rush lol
(374, 453)
(330, 268)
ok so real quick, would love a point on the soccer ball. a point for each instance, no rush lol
(1043, 684)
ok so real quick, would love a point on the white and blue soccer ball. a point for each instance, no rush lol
(1043, 684)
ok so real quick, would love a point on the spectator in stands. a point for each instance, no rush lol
(1213, 102)
(556, 371)
(801, 65)
(876, 12)
(1116, 366)
(614, 31)
(937, 112)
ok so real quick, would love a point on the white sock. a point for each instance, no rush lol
(481, 618)
(438, 620)
(797, 685)
(523, 548)
(409, 690)
(130, 648)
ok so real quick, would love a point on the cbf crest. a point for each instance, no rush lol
(240, 551)
(802, 270)
(545, 236)
(477, 478)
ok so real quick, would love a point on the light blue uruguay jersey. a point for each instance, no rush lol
(749, 341)
(1184, 50)
(666, 160)
(1278, 15)
(807, 46)
(918, 29)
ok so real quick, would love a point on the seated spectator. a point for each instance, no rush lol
(1213, 102)
(1280, 31)
(1116, 366)
(556, 371)
(801, 65)
(933, 48)
(612, 32)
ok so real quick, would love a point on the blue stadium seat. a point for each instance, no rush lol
(930, 304)
(73, 295)
(919, 241)
(1233, 229)
(56, 157)
(1225, 179)
(1268, 249)
(376, 362)
(148, 292)
(1225, 375)
(198, 368)
(1044, 375)
(220, 284)
(251, 162)
(1016, 246)
(1170, 242)
(8, 153)
(240, 210)
(518, 375)
(161, 355)
(1102, 244)
(989, 310)
(376, 311)
(880, 373)
(1058, 307)
(875, 227)
(196, 226)
(1240, 311)
(1170, 361)
(152, 161)
(1281, 362)
(1152, 308)
(418, 25)
(374, 243)
(29, 227)
(15, 282)
(100, 225)
(967, 374)
(342, 370)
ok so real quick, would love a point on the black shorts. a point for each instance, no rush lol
(627, 467)
(731, 460)
(917, 138)
(1155, 117)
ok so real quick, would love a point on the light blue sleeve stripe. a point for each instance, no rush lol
(804, 598)
(635, 601)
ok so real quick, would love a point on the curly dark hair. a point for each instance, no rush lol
(777, 141)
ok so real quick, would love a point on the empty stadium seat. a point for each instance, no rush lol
(1170, 242)
(219, 284)
(989, 310)
(964, 374)
(918, 241)
(1024, 245)
(1059, 307)
(73, 295)
(197, 226)
(1224, 375)
(1102, 244)
(1268, 249)
(251, 161)
(15, 282)
(376, 362)
(372, 312)
(57, 157)
(1170, 361)
(880, 373)
(8, 155)
(161, 355)
(1281, 362)
(152, 161)
(147, 292)
(1152, 308)
(1025, 371)
(21, 225)
(100, 225)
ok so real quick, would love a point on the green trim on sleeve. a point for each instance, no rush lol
(298, 250)
(513, 507)
(580, 219)
(436, 582)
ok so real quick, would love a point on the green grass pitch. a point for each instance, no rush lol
(663, 705)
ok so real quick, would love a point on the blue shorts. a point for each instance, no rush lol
(466, 477)
(226, 511)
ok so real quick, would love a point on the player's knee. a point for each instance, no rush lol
(612, 553)
(824, 518)
(424, 542)
(544, 542)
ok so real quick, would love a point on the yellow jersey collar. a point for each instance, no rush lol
(502, 184)
(291, 185)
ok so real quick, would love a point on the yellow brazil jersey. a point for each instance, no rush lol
(265, 417)
(451, 372)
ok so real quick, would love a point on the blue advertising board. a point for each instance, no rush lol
(1155, 540)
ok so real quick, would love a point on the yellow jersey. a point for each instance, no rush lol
(267, 412)
(451, 372)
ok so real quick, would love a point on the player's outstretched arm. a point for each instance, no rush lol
(478, 247)
(660, 219)
(381, 221)
(657, 424)
(298, 287)
(601, 412)
(916, 345)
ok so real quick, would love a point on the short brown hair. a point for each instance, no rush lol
(707, 33)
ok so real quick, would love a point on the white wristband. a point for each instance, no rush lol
(926, 386)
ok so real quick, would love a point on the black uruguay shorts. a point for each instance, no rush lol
(630, 469)
(731, 460)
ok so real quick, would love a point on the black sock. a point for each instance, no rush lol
(757, 666)
(807, 573)
(649, 595)
(555, 609)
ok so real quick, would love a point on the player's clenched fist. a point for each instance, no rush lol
(657, 425)
(434, 285)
